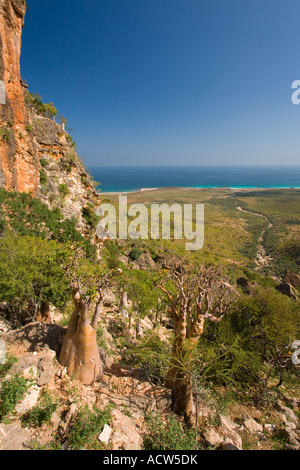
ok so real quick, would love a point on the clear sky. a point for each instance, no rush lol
(170, 82)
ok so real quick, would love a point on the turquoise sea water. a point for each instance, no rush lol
(123, 179)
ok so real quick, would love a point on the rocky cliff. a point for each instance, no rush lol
(37, 156)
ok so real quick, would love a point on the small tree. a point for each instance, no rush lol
(193, 298)
(138, 285)
(30, 276)
(50, 111)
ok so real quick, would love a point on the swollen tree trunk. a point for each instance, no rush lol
(123, 305)
(179, 378)
(44, 314)
(79, 353)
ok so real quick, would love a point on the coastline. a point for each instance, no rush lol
(201, 188)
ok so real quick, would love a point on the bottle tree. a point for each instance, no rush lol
(79, 353)
(194, 297)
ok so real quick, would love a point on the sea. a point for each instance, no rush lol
(135, 178)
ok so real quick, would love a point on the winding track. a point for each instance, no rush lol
(262, 260)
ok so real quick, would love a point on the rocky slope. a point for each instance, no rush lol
(36, 155)
(131, 398)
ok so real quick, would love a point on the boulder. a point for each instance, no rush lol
(13, 437)
(213, 439)
(106, 360)
(25, 363)
(55, 421)
(290, 436)
(287, 289)
(292, 278)
(146, 324)
(228, 445)
(229, 429)
(37, 336)
(37, 367)
(105, 435)
(125, 436)
(124, 259)
(145, 261)
(288, 413)
(108, 298)
(5, 326)
(29, 401)
(252, 426)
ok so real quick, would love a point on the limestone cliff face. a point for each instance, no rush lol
(19, 161)
(36, 154)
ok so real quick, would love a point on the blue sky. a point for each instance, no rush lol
(170, 82)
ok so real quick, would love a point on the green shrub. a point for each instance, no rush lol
(169, 435)
(63, 189)
(11, 393)
(135, 254)
(71, 141)
(29, 216)
(44, 162)
(86, 426)
(5, 368)
(90, 215)
(152, 355)
(6, 134)
(39, 415)
(43, 177)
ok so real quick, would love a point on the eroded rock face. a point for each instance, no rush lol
(30, 143)
(19, 169)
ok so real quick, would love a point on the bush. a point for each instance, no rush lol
(71, 141)
(6, 134)
(43, 177)
(90, 215)
(28, 216)
(63, 189)
(239, 348)
(86, 427)
(44, 162)
(135, 254)
(11, 393)
(168, 436)
(152, 355)
(40, 414)
(5, 368)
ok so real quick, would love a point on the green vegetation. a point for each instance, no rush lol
(37, 276)
(152, 355)
(90, 215)
(44, 162)
(40, 414)
(43, 177)
(34, 101)
(11, 393)
(5, 368)
(63, 189)
(71, 141)
(86, 427)
(135, 254)
(233, 362)
(6, 134)
(27, 216)
(167, 433)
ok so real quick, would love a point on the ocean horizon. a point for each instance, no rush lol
(134, 178)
